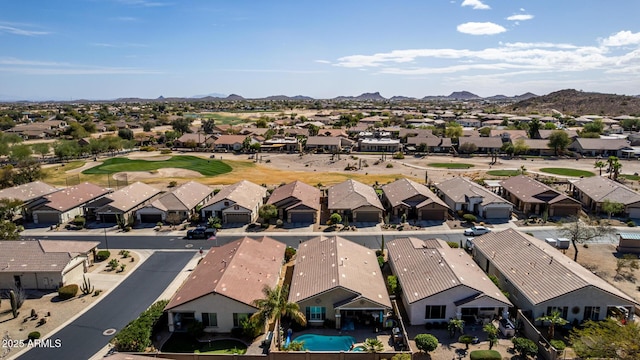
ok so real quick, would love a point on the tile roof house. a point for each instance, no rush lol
(538, 147)
(484, 144)
(593, 191)
(439, 283)
(236, 204)
(194, 140)
(338, 280)
(541, 279)
(428, 144)
(62, 206)
(44, 264)
(463, 194)
(545, 134)
(31, 195)
(123, 202)
(416, 201)
(533, 197)
(329, 144)
(355, 201)
(297, 202)
(602, 147)
(230, 142)
(220, 291)
(182, 201)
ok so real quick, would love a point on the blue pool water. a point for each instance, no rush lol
(314, 342)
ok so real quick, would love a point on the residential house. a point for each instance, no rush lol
(288, 144)
(601, 147)
(230, 142)
(64, 205)
(539, 147)
(460, 193)
(296, 132)
(541, 279)
(374, 144)
(221, 290)
(595, 190)
(297, 202)
(31, 194)
(327, 144)
(545, 134)
(44, 264)
(440, 283)
(355, 201)
(408, 198)
(236, 204)
(121, 203)
(509, 135)
(428, 144)
(184, 201)
(192, 141)
(336, 280)
(485, 145)
(530, 196)
(469, 122)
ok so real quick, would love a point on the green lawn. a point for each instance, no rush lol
(503, 172)
(205, 167)
(630, 176)
(451, 165)
(183, 343)
(568, 172)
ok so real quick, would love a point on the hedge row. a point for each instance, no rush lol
(136, 336)
(485, 355)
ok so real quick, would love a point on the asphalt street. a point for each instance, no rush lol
(83, 337)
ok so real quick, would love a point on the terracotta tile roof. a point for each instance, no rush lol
(130, 196)
(73, 196)
(537, 144)
(326, 263)
(352, 194)
(238, 270)
(425, 270)
(306, 195)
(460, 188)
(185, 197)
(244, 193)
(399, 191)
(600, 189)
(538, 270)
(601, 144)
(27, 192)
(545, 134)
(323, 141)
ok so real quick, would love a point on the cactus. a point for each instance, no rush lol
(86, 286)
(14, 303)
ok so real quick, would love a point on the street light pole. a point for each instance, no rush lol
(105, 239)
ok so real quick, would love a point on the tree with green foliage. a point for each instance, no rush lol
(485, 131)
(467, 148)
(555, 318)
(426, 342)
(612, 207)
(524, 347)
(599, 165)
(41, 148)
(492, 334)
(268, 212)
(208, 126)
(453, 131)
(147, 126)
(373, 345)
(550, 126)
(136, 336)
(579, 232)
(614, 167)
(274, 305)
(126, 134)
(520, 147)
(534, 128)
(507, 148)
(454, 326)
(20, 152)
(181, 125)
(558, 141)
(596, 126)
(335, 219)
(606, 339)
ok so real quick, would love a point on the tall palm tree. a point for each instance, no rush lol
(274, 305)
(599, 164)
(555, 318)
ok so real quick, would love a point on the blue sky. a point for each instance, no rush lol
(105, 49)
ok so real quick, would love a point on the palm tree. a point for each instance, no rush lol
(614, 167)
(599, 164)
(492, 334)
(274, 305)
(373, 345)
(555, 318)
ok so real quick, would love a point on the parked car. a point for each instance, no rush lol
(197, 233)
(476, 230)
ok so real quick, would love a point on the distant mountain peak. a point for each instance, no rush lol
(463, 95)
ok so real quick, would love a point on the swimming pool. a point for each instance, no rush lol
(314, 342)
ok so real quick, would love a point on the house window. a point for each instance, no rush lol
(210, 319)
(226, 203)
(316, 313)
(564, 311)
(591, 313)
(435, 312)
(238, 318)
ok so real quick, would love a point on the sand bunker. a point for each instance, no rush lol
(156, 174)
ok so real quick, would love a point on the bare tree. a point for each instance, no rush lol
(580, 232)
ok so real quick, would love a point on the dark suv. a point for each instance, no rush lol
(200, 232)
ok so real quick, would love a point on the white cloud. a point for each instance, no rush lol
(622, 38)
(323, 61)
(37, 67)
(123, 45)
(12, 29)
(476, 4)
(520, 17)
(481, 28)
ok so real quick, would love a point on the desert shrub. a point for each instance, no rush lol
(398, 155)
(524, 346)
(469, 218)
(389, 165)
(453, 244)
(630, 223)
(426, 342)
(79, 221)
(401, 356)
(33, 335)
(485, 355)
(392, 284)
(558, 344)
(147, 148)
(289, 252)
(103, 255)
(380, 260)
(165, 151)
(68, 291)
(136, 336)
